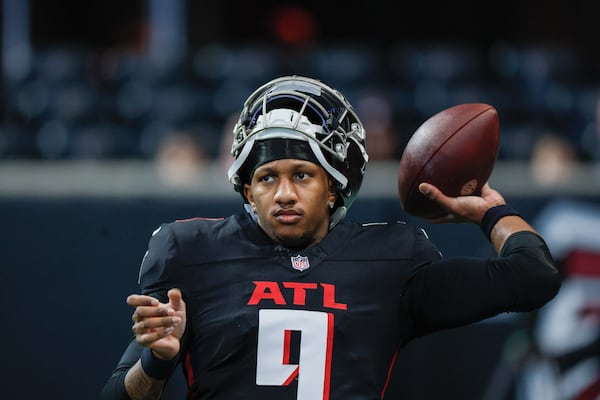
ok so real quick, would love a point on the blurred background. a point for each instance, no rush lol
(116, 116)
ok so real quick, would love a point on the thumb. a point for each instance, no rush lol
(429, 191)
(434, 194)
(176, 299)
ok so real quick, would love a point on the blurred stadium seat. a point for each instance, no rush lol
(70, 95)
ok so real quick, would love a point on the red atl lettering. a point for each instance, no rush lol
(271, 291)
(329, 297)
(266, 291)
(299, 291)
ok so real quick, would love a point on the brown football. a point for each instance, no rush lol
(455, 150)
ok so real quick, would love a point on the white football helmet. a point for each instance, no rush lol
(301, 108)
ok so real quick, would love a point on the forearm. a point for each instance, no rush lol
(129, 381)
(458, 291)
(140, 386)
(534, 271)
(505, 227)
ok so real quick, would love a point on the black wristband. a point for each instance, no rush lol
(156, 368)
(492, 215)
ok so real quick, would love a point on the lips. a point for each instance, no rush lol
(287, 216)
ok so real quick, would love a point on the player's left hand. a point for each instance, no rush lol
(462, 209)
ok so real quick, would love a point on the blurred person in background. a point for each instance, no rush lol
(377, 115)
(564, 358)
(180, 160)
(553, 160)
(289, 299)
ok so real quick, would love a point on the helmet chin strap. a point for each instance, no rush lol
(251, 211)
(338, 215)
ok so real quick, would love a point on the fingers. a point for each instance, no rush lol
(142, 312)
(176, 300)
(136, 300)
(150, 330)
(153, 323)
(147, 306)
(153, 320)
(147, 339)
(461, 208)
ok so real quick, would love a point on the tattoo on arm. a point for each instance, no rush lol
(140, 386)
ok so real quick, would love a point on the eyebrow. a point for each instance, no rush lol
(296, 164)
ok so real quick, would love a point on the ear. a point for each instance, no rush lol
(332, 195)
(248, 194)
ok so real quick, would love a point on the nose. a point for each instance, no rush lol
(286, 192)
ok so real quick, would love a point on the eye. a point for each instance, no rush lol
(302, 176)
(266, 178)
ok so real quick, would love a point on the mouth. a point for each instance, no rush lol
(287, 216)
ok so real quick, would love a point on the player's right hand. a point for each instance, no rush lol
(157, 325)
(462, 209)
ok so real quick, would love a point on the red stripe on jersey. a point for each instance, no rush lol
(293, 376)
(286, 346)
(389, 376)
(189, 371)
(327, 383)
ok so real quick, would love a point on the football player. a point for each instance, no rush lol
(289, 299)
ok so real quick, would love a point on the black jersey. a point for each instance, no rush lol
(326, 322)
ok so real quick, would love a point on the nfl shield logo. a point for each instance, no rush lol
(300, 262)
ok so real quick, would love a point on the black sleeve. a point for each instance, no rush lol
(114, 389)
(458, 291)
(156, 265)
(153, 281)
